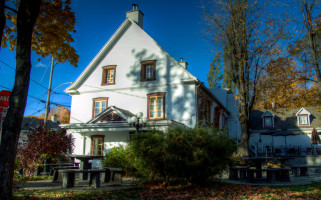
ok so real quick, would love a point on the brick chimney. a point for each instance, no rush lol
(183, 63)
(136, 15)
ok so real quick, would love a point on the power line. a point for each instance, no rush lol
(43, 101)
(34, 80)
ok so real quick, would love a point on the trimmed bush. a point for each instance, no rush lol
(119, 157)
(181, 154)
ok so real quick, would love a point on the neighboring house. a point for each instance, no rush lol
(284, 128)
(29, 124)
(132, 73)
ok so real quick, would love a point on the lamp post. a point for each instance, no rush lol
(137, 121)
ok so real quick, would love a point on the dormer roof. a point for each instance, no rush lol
(303, 111)
(267, 114)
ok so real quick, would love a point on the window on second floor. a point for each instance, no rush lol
(303, 120)
(156, 105)
(148, 70)
(99, 105)
(268, 121)
(109, 75)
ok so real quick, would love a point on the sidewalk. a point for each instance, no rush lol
(294, 180)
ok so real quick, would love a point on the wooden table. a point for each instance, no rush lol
(84, 162)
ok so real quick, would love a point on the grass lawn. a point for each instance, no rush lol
(213, 192)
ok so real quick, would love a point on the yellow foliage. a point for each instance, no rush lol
(286, 86)
(52, 31)
(63, 114)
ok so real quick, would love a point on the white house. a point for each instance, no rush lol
(285, 130)
(132, 73)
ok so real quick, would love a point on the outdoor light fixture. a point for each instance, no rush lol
(137, 121)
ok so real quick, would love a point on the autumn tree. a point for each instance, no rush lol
(243, 30)
(63, 114)
(43, 144)
(283, 84)
(44, 26)
(227, 81)
(312, 28)
(214, 75)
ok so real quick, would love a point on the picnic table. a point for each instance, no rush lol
(84, 163)
(258, 162)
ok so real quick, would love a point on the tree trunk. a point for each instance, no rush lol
(27, 14)
(242, 148)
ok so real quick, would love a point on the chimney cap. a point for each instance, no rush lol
(135, 6)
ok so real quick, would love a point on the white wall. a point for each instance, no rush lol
(112, 139)
(129, 93)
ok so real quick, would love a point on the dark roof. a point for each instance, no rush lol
(31, 123)
(286, 118)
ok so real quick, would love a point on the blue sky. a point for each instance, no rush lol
(175, 25)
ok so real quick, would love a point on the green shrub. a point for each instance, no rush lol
(119, 157)
(181, 154)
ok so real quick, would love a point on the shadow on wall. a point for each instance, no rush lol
(180, 101)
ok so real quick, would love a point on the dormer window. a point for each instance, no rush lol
(109, 74)
(148, 70)
(303, 120)
(268, 122)
(303, 117)
(268, 119)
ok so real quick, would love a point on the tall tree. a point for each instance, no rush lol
(284, 85)
(49, 34)
(27, 14)
(242, 29)
(227, 74)
(308, 8)
(214, 75)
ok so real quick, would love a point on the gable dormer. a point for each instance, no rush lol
(303, 117)
(268, 119)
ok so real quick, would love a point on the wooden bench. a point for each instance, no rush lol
(302, 169)
(111, 176)
(57, 175)
(272, 174)
(238, 172)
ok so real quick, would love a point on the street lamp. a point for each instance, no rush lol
(137, 121)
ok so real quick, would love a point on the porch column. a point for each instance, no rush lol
(84, 145)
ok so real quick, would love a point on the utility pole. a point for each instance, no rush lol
(49, 92)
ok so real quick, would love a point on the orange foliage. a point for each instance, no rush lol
(63, 114)
(286, 86)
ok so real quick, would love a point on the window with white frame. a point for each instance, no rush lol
(303, 120)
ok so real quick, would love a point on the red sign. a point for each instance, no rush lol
(3, 113)
(4, 98)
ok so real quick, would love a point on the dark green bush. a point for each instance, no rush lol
(119, 157)
(181, 154)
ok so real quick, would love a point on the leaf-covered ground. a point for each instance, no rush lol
(214, 192)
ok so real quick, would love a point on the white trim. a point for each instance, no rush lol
(303, 111)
